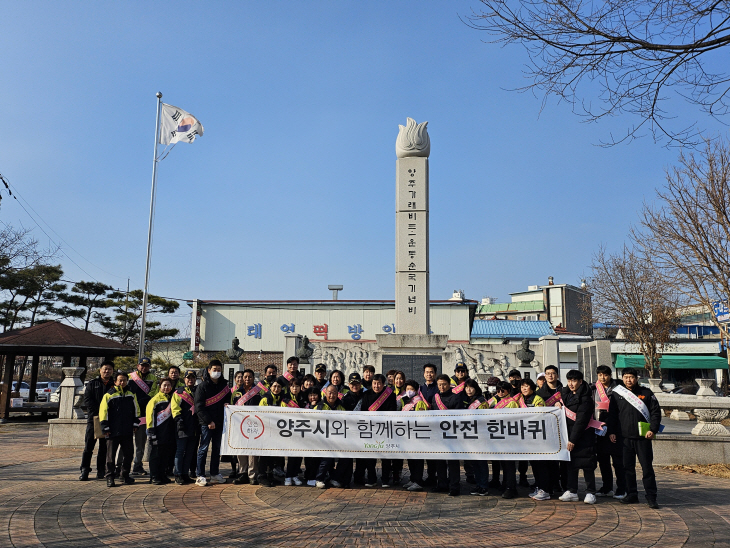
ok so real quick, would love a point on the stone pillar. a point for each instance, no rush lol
(654, 385)
(550, 351)
(292, 342)
(412, 291)
(705, 385)
(70, 395)
(709, 422)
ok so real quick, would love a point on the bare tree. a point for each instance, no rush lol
(687, 231)
(628, 291)
(636, 53)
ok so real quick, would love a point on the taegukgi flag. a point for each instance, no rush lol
(178, 125)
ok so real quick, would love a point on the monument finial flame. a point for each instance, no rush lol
(413, 140)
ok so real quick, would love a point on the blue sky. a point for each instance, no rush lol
(292, 186)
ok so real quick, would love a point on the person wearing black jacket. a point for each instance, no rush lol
(368, 403)
(143, 385)
(624, 418)
(428, 389)
(351, 400)
(446, 399)
(557, 470)
(186, 426)
(211, 397)
(577, 400)
(606, 450)
(93, 394)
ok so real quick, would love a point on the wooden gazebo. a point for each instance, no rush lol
(51, 339)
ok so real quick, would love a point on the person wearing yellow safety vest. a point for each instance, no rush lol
(173, 373)
(246, 393)
(186, 426)
(503, 399)
(327, 464)
(119, 419)
(161, 432)
(272, 399)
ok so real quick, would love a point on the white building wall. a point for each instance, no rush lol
(262, 327)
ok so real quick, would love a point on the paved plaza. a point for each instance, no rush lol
(43, 504)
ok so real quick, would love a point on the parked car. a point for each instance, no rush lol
(56, 395)
(24, 390)
(44, 390)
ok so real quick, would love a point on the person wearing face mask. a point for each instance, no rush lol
(183, 405)
(412, 400)
(161, 432)
(211, 397)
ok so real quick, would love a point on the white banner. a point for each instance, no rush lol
(536, 433)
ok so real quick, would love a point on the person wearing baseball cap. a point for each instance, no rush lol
(143, 385)
(320, 374)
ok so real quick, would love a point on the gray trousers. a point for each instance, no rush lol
(248, 464)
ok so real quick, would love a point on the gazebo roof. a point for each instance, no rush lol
(57, 339)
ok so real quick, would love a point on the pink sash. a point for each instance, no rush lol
(504, 402)
(384, 396)
(552, 400)
(439, 402)
(292, 403)
(603, 404)
(458, 389)
(140, 382)
(288, 376)
(519, 398)
(250, 394)
(218, 397)
(475, 404)
(412, 404)
(189, 400)
(593, 423)
(163, 415)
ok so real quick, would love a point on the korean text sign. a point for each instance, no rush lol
(493, 434)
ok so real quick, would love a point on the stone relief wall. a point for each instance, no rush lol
(492, 360)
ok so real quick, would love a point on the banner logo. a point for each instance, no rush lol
(252, 427)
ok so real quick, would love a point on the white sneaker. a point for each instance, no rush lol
(535, 492)
(385, 484)
(407, 485)
(415, 487)
(371, 485)
(287, 482)
(569, 497)
(590, 498)
(602, 494)
(335, 484)
(217, 479)
(620, 497)
(320, 485)
(541, 495)
(311, 483)
(278, 472)
(201, 481)
(296, 481)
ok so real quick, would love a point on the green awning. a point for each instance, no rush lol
(673, 362)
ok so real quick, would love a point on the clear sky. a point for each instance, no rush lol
(292, 186)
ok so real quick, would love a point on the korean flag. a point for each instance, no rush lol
(178, 126)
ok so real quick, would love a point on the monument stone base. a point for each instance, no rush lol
(66, 432)
(427, 348)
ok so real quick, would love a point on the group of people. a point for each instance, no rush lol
(610, 424)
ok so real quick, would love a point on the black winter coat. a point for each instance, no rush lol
(624, 417)
(370, 397)
(449, 399)
(93, 394)
(583, 454)
(205, 391)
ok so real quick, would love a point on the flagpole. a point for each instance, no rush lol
(149, 230)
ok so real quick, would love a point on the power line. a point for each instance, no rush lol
(17, 195)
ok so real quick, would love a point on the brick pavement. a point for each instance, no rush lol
(43, 504)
